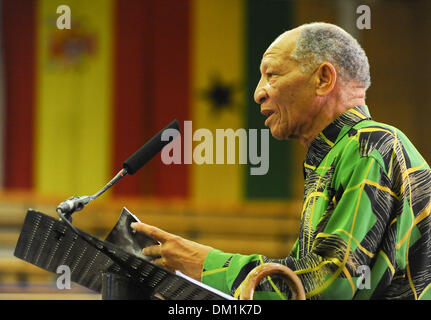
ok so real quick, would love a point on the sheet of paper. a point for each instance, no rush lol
(203, 285)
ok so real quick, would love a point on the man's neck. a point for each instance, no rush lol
(343, 99)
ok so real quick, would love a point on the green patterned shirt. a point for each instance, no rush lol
(365, 220)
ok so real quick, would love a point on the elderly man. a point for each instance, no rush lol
(365, 221)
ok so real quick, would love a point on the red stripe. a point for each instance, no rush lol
(132, 90)
(171, 85)
(19, 25)
(151, 88)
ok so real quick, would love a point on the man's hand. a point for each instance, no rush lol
(174, 252)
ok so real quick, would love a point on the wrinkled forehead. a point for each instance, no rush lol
(279, 51)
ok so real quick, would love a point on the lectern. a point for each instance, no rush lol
(114, 267)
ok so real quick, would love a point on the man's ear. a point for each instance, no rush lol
(326, 77)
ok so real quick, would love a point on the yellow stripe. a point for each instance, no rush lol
(317, 194)
(391, 163)
(211, 60)
(386, 189)
(73, 114)
(315, 268)
(383, 254)
(375, 184)
(305, 206)
(424, 291)
(346, 273)
(354, 187)
(310, 218)
(309, 197)
(309, 166)
(334, 201)
(349, 278)
(411, 170)
(376, 130)
(422, 215)
(394, 150)
(409, 276)
(281, 295)
(360, 115)
(402, 276)
(329, 142)
(368, 253)
(238, 291)
(329, 260)
(325, 262)
(339, 270)
(206, 273)
(314, 168)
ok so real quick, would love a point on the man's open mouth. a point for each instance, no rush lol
(266, 113)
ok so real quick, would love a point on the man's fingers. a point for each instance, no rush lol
(162, 262)
(153, 232)
(159, 262)
(154, 250)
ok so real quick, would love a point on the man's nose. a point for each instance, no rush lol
(260, 94)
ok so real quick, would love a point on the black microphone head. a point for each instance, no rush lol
(150, 149)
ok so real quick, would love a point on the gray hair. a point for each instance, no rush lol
(318, 42)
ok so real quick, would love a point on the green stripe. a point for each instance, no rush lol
(265, 20)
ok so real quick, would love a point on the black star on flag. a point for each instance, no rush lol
(220, 94)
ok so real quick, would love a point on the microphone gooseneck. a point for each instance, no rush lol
(73, 204)
(130, 166)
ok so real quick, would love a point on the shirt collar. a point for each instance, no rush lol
(326, 140)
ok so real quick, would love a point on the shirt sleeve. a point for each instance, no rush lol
(345, 237)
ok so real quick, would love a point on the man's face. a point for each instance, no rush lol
(284, 92)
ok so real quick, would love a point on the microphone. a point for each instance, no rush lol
(149, 150)
(130, 166)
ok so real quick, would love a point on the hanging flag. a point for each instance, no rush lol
(217, 94)
(80, 101)
(265, 21)
(133, 109)
(227, 48)
(19, 23)
(73, 102)
(151, 89)
(1, 100)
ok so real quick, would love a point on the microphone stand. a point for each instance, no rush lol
(130, 166)
(66, 208)
(69, 206)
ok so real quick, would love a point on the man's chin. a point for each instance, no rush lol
(278, 133)
(275, 132)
